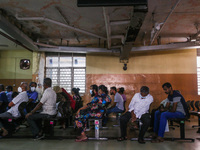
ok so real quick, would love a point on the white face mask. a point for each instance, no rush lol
(32, 89)
(91, 92)
(19, 89)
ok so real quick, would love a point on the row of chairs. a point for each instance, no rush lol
(195, 112)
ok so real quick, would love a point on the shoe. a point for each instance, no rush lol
(39, 137)
(141, 141)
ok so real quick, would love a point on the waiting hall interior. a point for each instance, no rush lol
(99, 74)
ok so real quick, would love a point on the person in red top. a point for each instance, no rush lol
(73, 102)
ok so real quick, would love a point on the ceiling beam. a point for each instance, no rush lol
(188, 45)
(78, 50)
(108, 29)
(60, 24)
(16, 34)
(159, 31)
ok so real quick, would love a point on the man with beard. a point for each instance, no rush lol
(178, 110)
(118, 106)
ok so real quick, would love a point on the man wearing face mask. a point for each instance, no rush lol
(48, 104)
(14, 104)
(138, 108)
(32, 96)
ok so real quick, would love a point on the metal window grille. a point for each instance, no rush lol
(73, 75)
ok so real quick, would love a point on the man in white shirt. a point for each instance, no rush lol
(138, 108)
(48, 104)
(14, 104)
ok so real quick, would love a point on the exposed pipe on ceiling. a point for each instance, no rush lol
(122, 22)
(45, 45)
(60, 24)
(158, 32)
(118, 37)
(108, 29)
(78, 50)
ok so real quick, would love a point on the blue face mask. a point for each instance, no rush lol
(91, 92)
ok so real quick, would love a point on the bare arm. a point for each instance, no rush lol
(82, 108)
(174, 107)
(114, 104)
(11, 104)
(35, 109)
(133, 116)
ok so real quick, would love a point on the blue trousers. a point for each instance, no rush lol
(114, 110)
(160, 120)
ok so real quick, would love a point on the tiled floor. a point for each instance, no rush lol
(19, 143)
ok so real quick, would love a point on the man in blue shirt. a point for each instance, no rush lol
(3, 99)
(9, 91)
(32, 96)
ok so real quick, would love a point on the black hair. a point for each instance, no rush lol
(103, 88)
(144, 89)
(2, 87)
(94, 87)
(32, 83)
(114, 88)
(47, 82)
(9, 87)
(167, 84)
(14, 94)
(121, 90)
(76, 91)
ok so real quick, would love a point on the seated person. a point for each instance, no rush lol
(3, 99)
(94, 109)
(121, 92)
(118, 105)
(179, 110)
(32, 96)
(77, 98)
(63, 107)
(161, 108)
(94, 90)
(14, 104)
(48, 104)
(138, 108)
(9, 91)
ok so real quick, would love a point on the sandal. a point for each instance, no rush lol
(81, 140)
(122, 138)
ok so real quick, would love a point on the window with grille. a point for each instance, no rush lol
(67, 71)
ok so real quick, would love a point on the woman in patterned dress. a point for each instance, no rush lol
(95, 109)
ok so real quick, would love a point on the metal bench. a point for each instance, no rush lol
(98, 125)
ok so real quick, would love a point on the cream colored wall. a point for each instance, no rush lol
(9, 64)
(165, 62)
